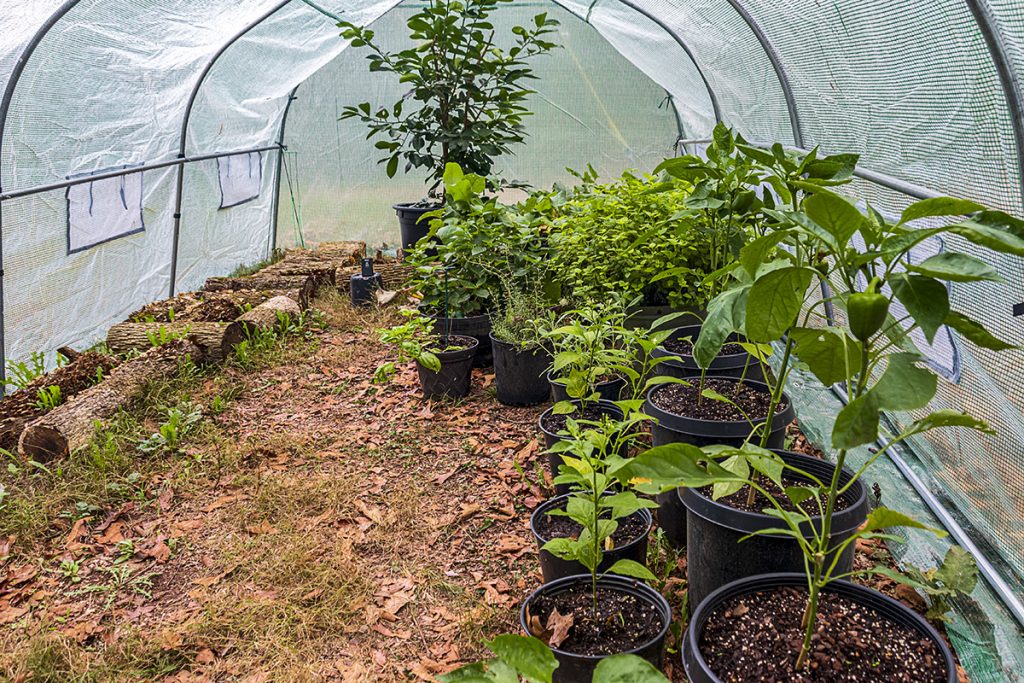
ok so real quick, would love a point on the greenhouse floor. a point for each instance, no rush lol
(312, 527)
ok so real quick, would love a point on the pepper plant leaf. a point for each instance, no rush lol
(956, 267)
(886, 518)
(627, 669)
(903, 385)
(976, 332)
(632, 568)
(948, 418)
(724, 316)
(832, 212)
(527, 655)
(830, 353)
(857, 423)
(925, 298)
(775, 301)
(939, 206)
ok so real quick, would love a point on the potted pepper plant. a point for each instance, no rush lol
(466, 97)
(802, 624)
(444, 361)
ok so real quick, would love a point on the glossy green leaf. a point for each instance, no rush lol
(939, 206)
(955, 267)
(886, 518)
(857, 423)
(841, 218)
(527, 655)
(926, 300)
(976, 333)
(830, 353)
(774, 302)
(632, 568)
(904, 385)
(948, 418)
(627, 669)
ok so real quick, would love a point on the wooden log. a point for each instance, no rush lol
(323, 274)
(266, 314)
(217, 340)
(161, 311)
(244, 299)
(306, 284)
(393, 273)
(19, 408)
(71, 426)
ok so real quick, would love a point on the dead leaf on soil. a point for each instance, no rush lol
(263, 527)
(558, 625)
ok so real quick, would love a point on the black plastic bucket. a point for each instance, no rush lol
(698, 671)
(731, 365)
(519, 375)
(551, 438)
(476, 326)
(671, 428)
(553, 567)
(610, 390)
(413, 230)
(715, 556)
(574, 668)
(453, 380)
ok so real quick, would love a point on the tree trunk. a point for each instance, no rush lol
(71, 426)
(20, 407)
(266, 314)
(306, 284)
(215, 339)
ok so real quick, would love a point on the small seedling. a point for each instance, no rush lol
(180, 422)
(69, 570)
(49, 398)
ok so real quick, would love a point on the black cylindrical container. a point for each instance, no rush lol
(556, 568)
(364, 288)
(413, 229)
(476, 326)
(715, 556)
(698, 671)
(574, 668)
(671, 428)
(550, 438)
(456, 372)
(519, 374)
(731, 365)
(610, 390)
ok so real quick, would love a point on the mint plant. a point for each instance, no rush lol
(870, 354)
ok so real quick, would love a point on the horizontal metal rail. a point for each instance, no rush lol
(14, 194)
(883, 179)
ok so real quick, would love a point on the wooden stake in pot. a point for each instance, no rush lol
(71, 426)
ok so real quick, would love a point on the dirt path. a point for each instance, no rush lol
(312, 527)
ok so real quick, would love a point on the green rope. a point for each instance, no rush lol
(323, 11)
(296, 196)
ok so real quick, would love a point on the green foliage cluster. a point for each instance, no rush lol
(621, 236)
(466, 98)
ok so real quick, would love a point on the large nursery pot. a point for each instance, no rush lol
(695, 661)
(453, 380)
(671, 428)
(552, 437)
(609, 390)
(645, 316)
(579, 668)
(714, 554)
(413, 230)
(553, 567)
(476, 326)
(520, 374)
(732, 361)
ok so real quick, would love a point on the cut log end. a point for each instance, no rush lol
(43, 444)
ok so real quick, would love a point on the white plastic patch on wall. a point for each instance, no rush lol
(240, 177)
(103, 210)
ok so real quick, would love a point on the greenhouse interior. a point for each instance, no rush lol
(512, 340)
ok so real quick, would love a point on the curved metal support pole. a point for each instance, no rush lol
(686, 48)
(184, 130)
(5, 107)
(780, 71)
(1007, 78)
(272, 242)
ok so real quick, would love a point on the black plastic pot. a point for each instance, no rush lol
(610, 390)
(476, 326)
(671, 428)
(698, 671)
(556, 568)
(551, 438)
(732, 365)
(413, 230)
(574, 668)
(715, 556)
(456, 371)
(520, 375)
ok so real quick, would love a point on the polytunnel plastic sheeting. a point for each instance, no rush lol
(591, 107)
(909, 85)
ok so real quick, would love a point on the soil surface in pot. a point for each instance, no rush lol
(686, 401)
(556, 423)
(623, 622)
(556, 526)
(684, 347)
(757, 637)
(455, 343)
(738, 500)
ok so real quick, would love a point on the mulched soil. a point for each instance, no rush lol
(738, 500)
(686, 401)
(684, 347)
(623, 622)
(756, 638)
(556, 526)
